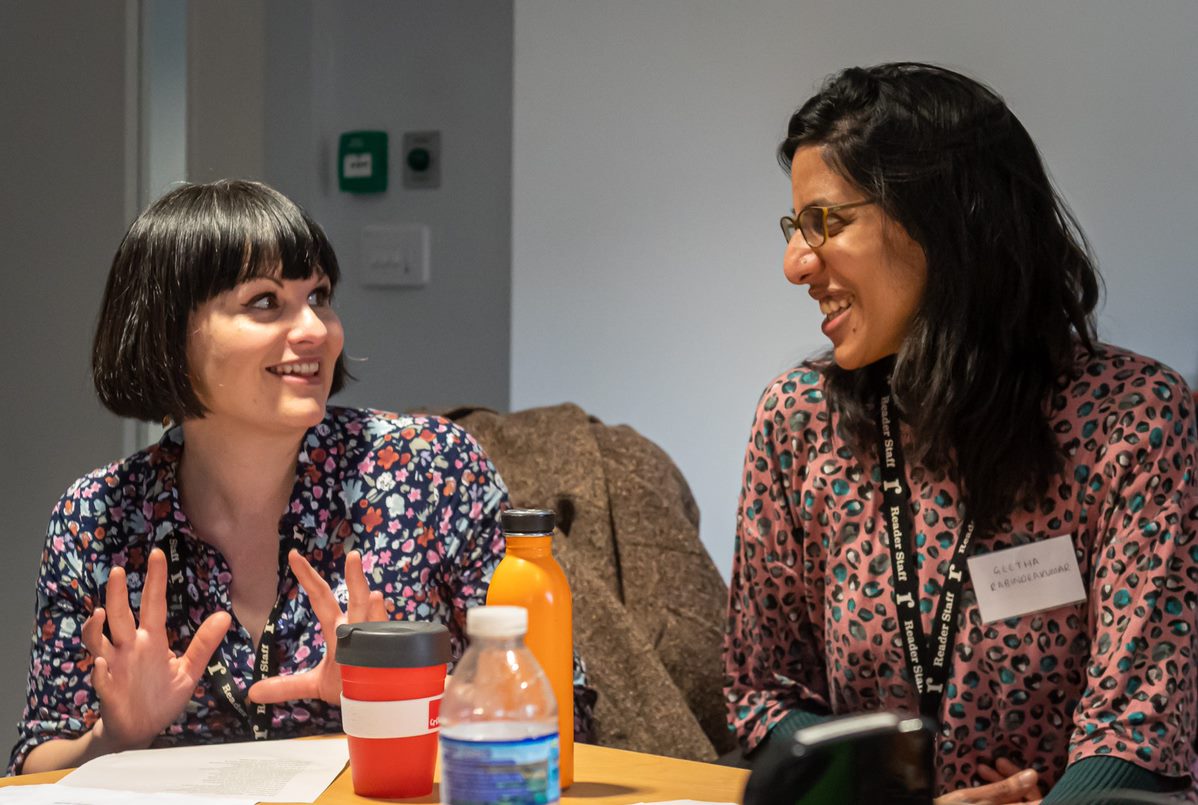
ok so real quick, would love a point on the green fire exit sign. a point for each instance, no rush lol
(362, 162)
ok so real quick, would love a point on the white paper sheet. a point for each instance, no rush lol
(71, 795)
(261, 771)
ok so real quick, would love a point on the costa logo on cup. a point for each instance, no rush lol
(434, 714)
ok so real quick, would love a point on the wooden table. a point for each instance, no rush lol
(602, 776)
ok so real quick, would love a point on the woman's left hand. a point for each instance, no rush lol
(323, 681)
(1006, 783)
(1003, 769)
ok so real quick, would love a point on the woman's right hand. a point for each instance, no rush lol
(141, 684)
(1017, 786)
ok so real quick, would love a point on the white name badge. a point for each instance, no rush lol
(1027, 578)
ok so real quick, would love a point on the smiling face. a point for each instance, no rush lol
(868, 277)
(262, 354)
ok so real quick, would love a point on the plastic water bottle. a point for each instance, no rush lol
(499, 734)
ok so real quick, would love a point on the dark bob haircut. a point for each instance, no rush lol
(1011, 287)
(194, 243)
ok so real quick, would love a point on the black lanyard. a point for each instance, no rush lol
(928, 661)
(184, 598)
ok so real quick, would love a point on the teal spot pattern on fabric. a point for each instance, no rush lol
(1124, 470)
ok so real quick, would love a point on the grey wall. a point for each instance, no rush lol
(226, 63)
(407, 65)
(646, 279)
(62, 213)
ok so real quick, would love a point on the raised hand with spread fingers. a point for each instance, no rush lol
(142, 684)
(323, 681)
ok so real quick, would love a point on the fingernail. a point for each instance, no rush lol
(1027, 777)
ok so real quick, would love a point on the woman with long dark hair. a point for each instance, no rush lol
(971, 507)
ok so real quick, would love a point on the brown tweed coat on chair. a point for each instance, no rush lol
(649, 604)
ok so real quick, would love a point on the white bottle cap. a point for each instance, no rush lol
(496, 621)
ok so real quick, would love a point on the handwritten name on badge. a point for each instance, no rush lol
(1027, 578)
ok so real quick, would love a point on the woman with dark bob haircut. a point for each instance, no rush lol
(182, 596)
(970, 508)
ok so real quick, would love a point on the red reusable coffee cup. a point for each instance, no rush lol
(392, 680)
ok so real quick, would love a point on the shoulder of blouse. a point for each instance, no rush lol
(368, 433)
(1113, 376)
(127, 485)
(797, 391)
(108, 510)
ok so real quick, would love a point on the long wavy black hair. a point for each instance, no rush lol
(1011, 286)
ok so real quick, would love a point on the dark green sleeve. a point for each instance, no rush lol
(781, 733)
(1107, 774)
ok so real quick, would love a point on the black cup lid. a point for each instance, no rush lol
(393, 644)
(527, 521)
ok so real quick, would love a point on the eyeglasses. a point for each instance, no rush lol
(813, 222)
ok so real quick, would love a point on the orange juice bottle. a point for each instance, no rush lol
(529, 577)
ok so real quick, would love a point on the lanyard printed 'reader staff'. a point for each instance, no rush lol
(927, 661)
(257, 715)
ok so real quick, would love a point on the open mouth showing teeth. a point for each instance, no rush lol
(831, 308)
(308, 369)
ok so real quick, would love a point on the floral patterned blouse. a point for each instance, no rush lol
(813, 620)
(416, 495)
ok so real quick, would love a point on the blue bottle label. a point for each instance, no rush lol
(523, 772)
